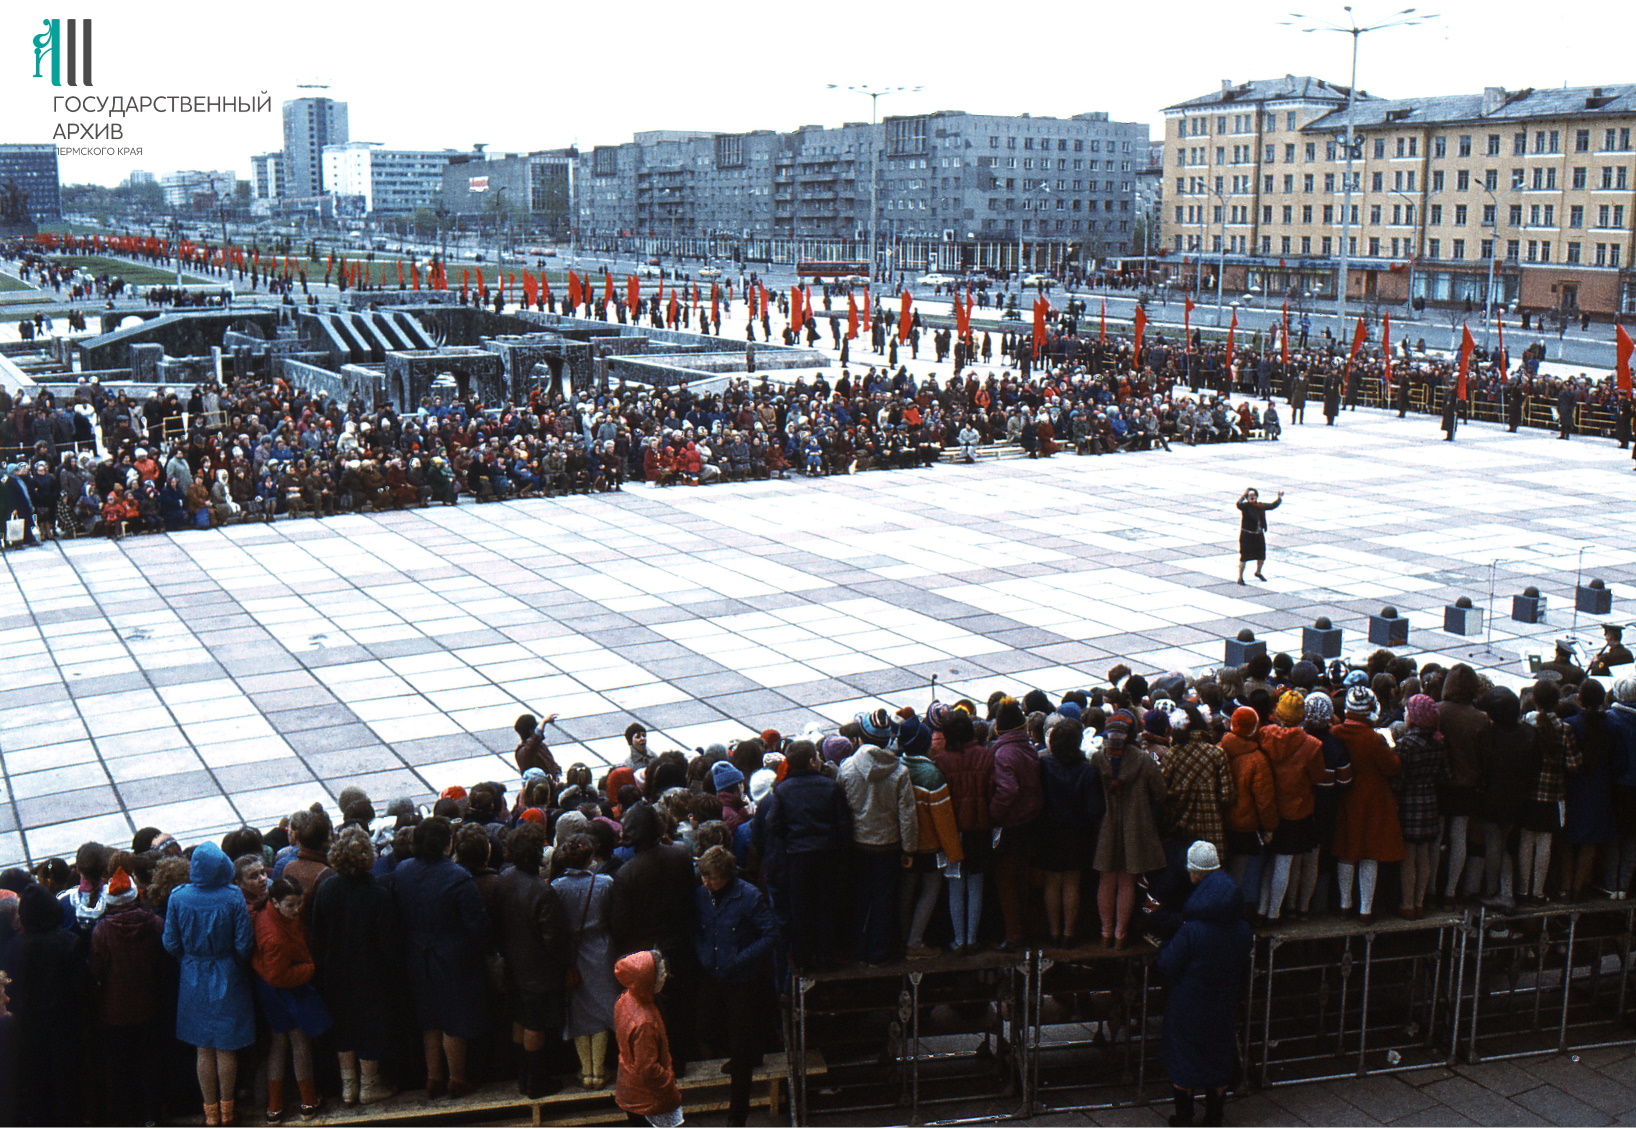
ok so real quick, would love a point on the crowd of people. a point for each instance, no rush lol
(527, 927)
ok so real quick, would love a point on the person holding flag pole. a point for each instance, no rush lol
(1452, 406)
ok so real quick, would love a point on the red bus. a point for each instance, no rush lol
(813, 268)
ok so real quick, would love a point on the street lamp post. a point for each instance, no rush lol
(1414, 248)
(1221, 251)
(875, 93)
(1404, 18)
(1043, 186)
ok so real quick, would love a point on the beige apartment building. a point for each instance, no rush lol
(1535, 189)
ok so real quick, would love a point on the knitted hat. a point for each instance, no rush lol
(1355, 678)
(937, 716)
(533, 773)
(453, 792)
(1320, 711)
(1156, 722)
(1421, 712)
(835, 748)
(876, 726)
(1304, 675)
(1245, 721)
(121, 891)
(724, 776)
(1291, 708)
(533, 815)
(761, 783)
(1202, 856)
(1070, 710)
(1624, 691)
(914, 739)
(1362, 701)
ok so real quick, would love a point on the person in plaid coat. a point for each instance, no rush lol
(1542, 816)
(1425, 770)
(1201, 787)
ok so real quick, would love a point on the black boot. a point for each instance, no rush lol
(1215, 1106)
(1184, 1107)
(539, 1082)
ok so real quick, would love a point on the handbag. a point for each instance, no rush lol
(571, 979)
(14, 529)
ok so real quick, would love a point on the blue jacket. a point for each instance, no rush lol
(207, 929)
(448, 933)
(735, 930)
(1204, 964)
(806, 812)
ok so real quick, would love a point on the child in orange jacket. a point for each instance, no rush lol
(646, 1086)
(295, 1012)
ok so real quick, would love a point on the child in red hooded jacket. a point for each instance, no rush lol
(284, 968)
(646, 1086)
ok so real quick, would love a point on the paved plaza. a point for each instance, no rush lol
(201, 680)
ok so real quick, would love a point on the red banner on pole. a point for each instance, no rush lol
(906, 305)
(1467, 346)
(1141, 334)
(633, 293)
(851, 315)
(1622, 351)
(1283, 336)
(1386, 344)
(1231, 330)
(1040, 306)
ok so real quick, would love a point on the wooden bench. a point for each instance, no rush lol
(572, 1105)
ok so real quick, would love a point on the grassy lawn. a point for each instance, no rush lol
(9, 283)
(133, 273)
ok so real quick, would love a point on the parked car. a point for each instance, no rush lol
(648, 270)
(938, 280)
(1043, 281)
(710, 272)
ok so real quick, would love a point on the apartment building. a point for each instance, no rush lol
(952, 191)
(1532, 189)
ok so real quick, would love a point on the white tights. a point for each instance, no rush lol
(1301, 871)
(1366, 870)
(1533, 861)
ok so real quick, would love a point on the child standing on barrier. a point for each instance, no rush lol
(646, 1087)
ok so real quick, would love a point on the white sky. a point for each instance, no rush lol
(543, 75)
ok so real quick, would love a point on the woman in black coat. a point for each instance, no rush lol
(532, 932)
(358, 949)
(448, 932)
(49, 993)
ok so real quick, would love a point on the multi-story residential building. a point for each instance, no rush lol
(193, 188)
(33, 168)
(953, 191)
(368, 180)
(309, 125)
(267, 179)
(1534, 189)
(533, 190)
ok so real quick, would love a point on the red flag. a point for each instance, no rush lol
(762, 307)
(573, 290)
(1386, 344)
(1187, 322)
(715, 301)
(633, 293)
(1467, 346)
(1230, 332)
(1360, 334)
(851, 316)
(1040, 306)
(482, 283)
(1141, 332)
(670, 313)
(528, 288)
(698, 308)
(607, 290)
(807, 307)
(1505, 361)
(545, 288)
(962, 318)
(868, 310)
(904, 317)
(1622, 351)
(1102, 331)
(797, 314)
(1284, 337)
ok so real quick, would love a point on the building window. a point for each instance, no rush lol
(1437, 180)
(1434, 215)
(1380, 148)
(1582, 144)
(1460, 215)
(1613, 255)
(1306, 244)
(1519, 143)
(1459, 249)
(1312, 151)
(1440, 147)
(1289, 214)
(1328, 246)
(1289, 154)
(1514, 215)
(1377, 182)
(1374, 247)
(1374, 214)
(1533, 250)
(1465, 145)
(1576, 218)
(1513, 248)
(1329, 214)
(1289, 183)
(1573, 248)
(1487, 249)
(1434, 248)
